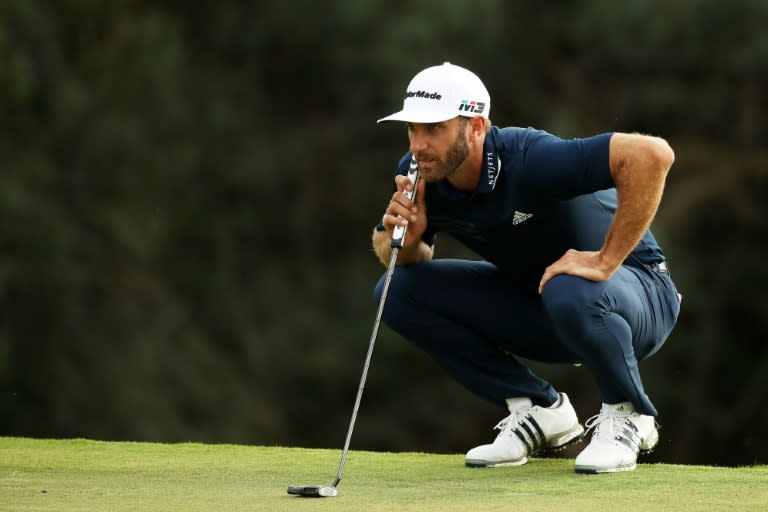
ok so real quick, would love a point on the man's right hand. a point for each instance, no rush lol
(404, 212)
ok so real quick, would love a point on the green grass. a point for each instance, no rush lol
(80, 475)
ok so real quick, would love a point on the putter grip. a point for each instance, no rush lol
(398, 235)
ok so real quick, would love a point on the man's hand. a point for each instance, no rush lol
(404, 212)
(586, 264)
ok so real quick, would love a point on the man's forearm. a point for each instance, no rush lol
(415, 253)
(639, 178)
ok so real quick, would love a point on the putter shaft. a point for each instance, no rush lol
(376, 323)
(398, 239)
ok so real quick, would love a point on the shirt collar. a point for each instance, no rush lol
(491, 165)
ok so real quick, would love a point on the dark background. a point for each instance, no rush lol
(187, 192)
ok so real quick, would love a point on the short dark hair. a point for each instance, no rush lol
(463, 120)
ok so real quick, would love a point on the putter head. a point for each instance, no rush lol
(313, 491)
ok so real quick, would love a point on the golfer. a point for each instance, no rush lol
(568, 271)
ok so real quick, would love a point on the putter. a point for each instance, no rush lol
(398, 236)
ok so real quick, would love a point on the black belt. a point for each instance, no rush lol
(660, 267)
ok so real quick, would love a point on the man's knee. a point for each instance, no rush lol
(399, 298)
(572, 302)
(379, 289)
(396, 283)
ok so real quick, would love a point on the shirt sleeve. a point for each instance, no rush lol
(563, 169)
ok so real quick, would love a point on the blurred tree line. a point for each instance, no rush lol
(187, 191)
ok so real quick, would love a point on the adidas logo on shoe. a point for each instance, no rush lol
(526, 431)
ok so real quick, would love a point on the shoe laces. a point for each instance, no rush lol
(608, 424)
(510, 422)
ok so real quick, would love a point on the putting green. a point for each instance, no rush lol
(82, 475)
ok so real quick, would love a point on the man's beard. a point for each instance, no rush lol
(455, 155)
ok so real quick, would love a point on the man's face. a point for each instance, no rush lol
(439, 148)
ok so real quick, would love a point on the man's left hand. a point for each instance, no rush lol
(586, 264)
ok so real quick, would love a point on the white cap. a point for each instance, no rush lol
(443, 92)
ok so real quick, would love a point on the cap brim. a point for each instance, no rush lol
(418, 116)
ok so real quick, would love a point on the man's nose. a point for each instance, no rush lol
(418, 143)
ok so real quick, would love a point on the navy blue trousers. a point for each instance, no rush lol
(473, 320)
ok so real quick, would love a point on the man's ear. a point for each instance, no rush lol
(478, 125)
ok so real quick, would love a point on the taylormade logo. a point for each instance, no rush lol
(423, 94)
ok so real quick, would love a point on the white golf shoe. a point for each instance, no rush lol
(620, 433)
(527, 430)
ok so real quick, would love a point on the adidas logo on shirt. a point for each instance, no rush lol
(520, 217)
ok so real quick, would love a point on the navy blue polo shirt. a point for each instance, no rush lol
(538, 196)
